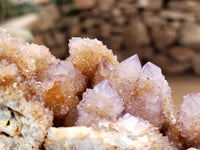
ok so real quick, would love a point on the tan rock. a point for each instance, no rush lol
(150, 4)
(181, 54)
(84, 4)
(176, 15)
(190, 35)
(136, 34)
(168, 65)
(185, 5)
(163, 37)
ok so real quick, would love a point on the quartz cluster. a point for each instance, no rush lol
(88, 101)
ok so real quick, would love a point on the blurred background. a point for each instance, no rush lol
(165, 32)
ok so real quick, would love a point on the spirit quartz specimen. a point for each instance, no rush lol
(125, 105)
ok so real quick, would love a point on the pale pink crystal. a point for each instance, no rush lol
(102, 103)
(188, 120)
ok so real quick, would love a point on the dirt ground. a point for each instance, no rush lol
(182, 85)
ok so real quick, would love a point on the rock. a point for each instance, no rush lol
(136, 34)
(49, 40)
(105, 5)
(75, 30)
(116, 12)
(127, 9)
(39, 39)
(181, 54)
(39, 2)
(84, 4)
(163, 37)
(114, 42)
(106, 30)
(168, 65)
(49, 16)
(154, 21)
(150, 4)
(185, 5)
(28, 21)
(59, 38)
(190, 35)
(195, 63)
(176, 15)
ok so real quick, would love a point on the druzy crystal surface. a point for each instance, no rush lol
(88, 101)
(100, 104)
(127, 133)
(144, 90)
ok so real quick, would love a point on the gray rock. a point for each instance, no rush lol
(190, 35)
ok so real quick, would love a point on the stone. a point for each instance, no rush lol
(106, 30)
(163, 37)
(39, 39)
(28, 21)
(195, 64)
(154, 21)
(176, 15)
(185, 5)
(182, 54)
(86, 4)
(127, 9)
(75, 30)
(105, 5)
(190, 35)
(150, 4)
(49, 39)
(136, 35)
(168, 65)
(59, 38)
(48, 18)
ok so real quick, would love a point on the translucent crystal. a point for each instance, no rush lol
(102, 103)
(144, 90)
(188, 120)
(62, 84)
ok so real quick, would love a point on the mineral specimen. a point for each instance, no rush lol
(144, 90)
(85, 55)
(188, 119)
(97, 102)
(126, 134)
(62, 85)
(23, 123)
(100, 104)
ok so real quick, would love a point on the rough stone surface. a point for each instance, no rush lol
(150, 4)
(190, 35)
(182, 54)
